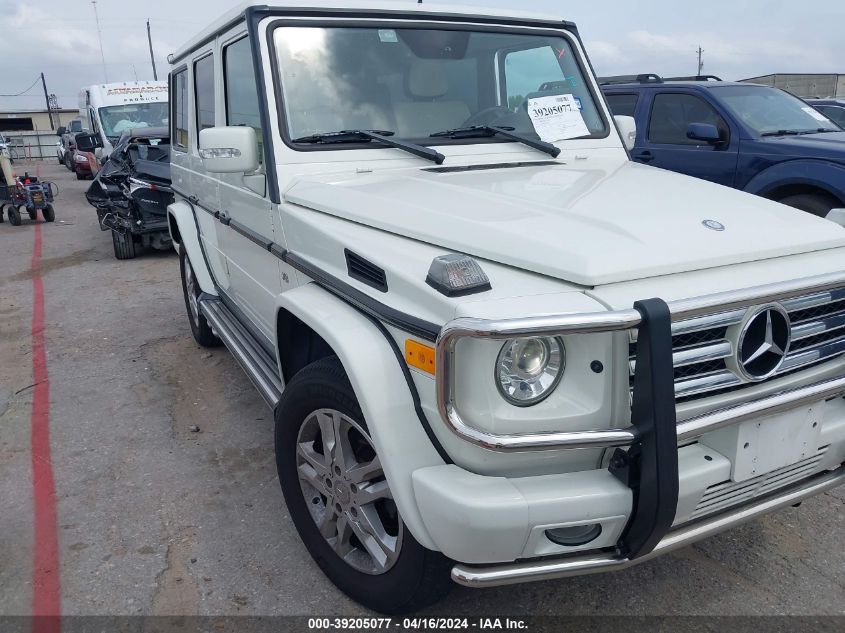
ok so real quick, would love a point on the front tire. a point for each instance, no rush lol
(815, 203)
(124, 245)
(49, 213)
(203, 334)
(14, 216)
(339, 500)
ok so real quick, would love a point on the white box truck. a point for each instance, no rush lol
(112, 109)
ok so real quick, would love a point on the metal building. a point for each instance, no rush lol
(805, 85)
(35, 120)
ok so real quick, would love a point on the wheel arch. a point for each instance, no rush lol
(379, 384)
(183, 231)
(800, 177)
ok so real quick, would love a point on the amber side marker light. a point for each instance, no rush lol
(420, 356)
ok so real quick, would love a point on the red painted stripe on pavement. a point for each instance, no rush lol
(46, 591)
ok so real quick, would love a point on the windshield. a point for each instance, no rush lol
(772, 111)
(117, 119)
(418, 82)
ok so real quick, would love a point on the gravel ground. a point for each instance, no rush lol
(156, 519)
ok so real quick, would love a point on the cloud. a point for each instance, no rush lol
(604, 53)
(671, 54)
(65, 43)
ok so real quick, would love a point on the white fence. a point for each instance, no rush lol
(32, 145)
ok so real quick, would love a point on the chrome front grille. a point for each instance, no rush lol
(703, 345)
(729, 493)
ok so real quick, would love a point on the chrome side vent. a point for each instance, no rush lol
(365, 271)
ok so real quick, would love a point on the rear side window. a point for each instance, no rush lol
(242, 91)
(835, 113)
(672, 114)
(623, 105)
(204, 85)
(179, 95)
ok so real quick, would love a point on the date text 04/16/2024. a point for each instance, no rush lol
(417, 624)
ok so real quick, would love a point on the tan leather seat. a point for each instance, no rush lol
(427, 83)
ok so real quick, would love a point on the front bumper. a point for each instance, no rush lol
(530, 571)
(664, 487)
(483, 520)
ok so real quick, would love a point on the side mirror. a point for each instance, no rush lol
(628, 129)
(87, 142)
(705, 132)
(61, 131)
(229, 150)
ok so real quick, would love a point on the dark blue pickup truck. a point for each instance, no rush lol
(754, 138)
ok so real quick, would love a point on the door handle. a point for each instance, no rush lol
(644, 157)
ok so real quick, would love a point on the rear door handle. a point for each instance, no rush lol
(644, 157)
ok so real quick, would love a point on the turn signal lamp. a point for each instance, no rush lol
(457, 275)
(220, 152)
(420, 356)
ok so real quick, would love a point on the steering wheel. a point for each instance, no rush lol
(487, 116)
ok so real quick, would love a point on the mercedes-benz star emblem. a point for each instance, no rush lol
(764, 343)
(713, 225)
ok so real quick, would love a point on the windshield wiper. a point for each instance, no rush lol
(477, 131)
(781, 133)
(818, 130)
(366, 136)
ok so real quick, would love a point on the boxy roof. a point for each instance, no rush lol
(396, 8)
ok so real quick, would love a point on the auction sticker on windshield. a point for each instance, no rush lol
(557, 118)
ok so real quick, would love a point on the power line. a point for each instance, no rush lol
(22, 93)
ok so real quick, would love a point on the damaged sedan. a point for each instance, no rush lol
(132, 191)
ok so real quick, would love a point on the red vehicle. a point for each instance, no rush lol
(82, 166)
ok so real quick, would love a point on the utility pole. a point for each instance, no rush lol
(700, 60)
(47, 99)
(152, 55)
(100, 37)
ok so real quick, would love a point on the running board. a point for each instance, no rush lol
(258, 365)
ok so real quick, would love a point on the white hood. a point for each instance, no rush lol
(587, 222)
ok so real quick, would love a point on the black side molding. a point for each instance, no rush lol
(650, 467)
(249, 234)
(363, 302)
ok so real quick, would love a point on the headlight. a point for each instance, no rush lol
(529, 369)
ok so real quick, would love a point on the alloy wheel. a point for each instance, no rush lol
(191, 289)
(347, 495)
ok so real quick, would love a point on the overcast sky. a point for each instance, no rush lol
(740, 38)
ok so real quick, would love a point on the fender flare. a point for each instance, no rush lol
(181, 216)
(824, 175)
(382, 391)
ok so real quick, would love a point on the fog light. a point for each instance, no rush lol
(574, 536)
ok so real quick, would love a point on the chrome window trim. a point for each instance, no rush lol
(616, 321)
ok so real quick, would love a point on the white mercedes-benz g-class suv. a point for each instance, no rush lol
(496, 348)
